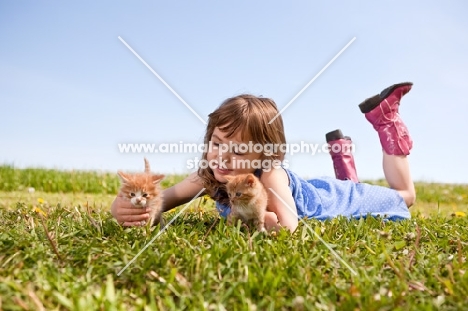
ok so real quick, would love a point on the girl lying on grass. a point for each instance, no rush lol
(245, 119)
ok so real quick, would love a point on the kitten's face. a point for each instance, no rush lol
(242, 188)
(140, 188)
(138, 197)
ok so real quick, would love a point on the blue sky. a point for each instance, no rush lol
(70, 90)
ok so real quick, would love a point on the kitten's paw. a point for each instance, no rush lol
(231, 220)
(162, 223)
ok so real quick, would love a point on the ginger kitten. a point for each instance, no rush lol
(248, 199)
(144, 190)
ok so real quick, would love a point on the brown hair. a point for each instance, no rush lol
(251, 115)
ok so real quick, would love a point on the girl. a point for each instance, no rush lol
(245, 121)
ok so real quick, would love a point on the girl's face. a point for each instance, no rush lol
(228, 156)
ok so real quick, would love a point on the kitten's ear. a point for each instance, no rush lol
(156, 178)
(229, 178)
(123, 176)
(147, 166)
(250, 180)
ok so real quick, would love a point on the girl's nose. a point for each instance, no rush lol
(225, 157)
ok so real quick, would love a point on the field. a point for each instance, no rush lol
(60, 249)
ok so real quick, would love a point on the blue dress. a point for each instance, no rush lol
(326, 197)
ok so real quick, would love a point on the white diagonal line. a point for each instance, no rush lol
(160, 232)
(313, 79)
(321, 240)
(162, 80)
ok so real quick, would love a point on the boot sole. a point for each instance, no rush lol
(334, 135)
(372, 102)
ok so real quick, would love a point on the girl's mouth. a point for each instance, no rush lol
(223, 171)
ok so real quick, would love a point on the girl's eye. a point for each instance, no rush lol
(238, 194)
(236, 150)
(132, 194)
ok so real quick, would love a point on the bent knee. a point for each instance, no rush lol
(409, 197)
(410, 200)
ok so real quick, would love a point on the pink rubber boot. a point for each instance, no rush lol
(341, 153)
(381, 111)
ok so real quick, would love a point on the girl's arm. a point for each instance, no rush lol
(280, 201)
(127, 215)
(182, 192)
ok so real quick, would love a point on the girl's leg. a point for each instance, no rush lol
(397, 174)
(381, 111)
(342, 155)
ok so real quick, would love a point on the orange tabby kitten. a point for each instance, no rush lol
(143, 190)
(248, 199)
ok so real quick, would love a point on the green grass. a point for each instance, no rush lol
(61, 250)
(75, 181)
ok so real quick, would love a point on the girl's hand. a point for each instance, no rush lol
(127, 215)
(272, 222)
